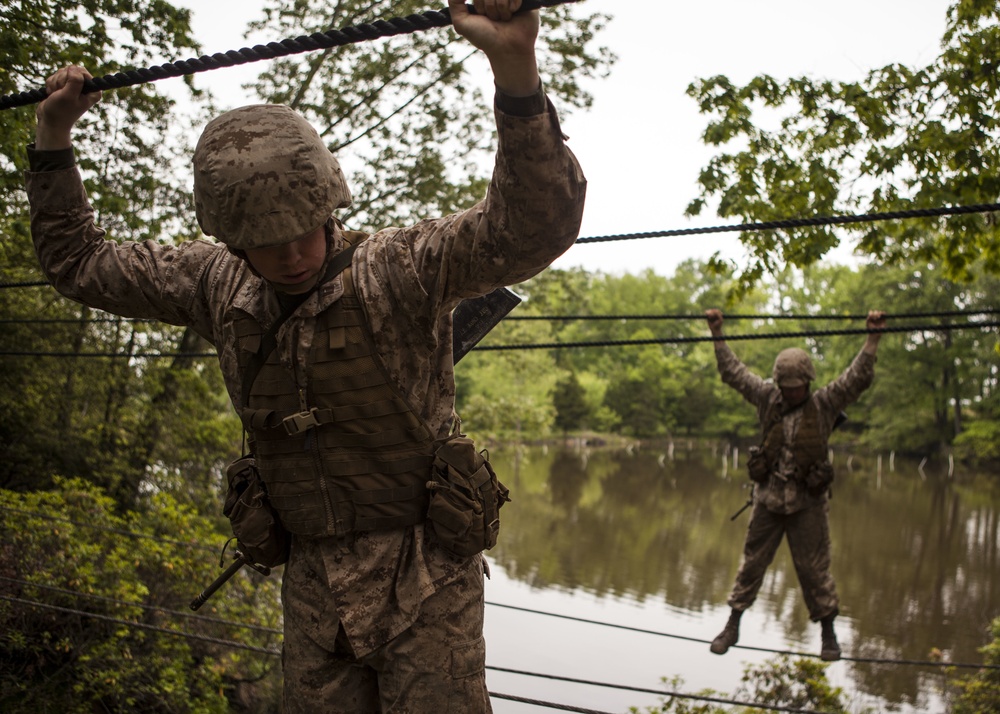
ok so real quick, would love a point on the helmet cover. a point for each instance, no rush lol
(793, 368)
(264, 177)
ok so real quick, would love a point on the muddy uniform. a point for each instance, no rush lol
(783, 505)
(385, 620)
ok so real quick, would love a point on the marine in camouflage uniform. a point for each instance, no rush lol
(376, 619)
(792, 474)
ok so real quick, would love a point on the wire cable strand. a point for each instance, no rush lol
(648, 690)
(870, 660)
(276, 653)
(742, 337)
(557, 318)
(143, 626)
(943, 327)
(149, 608)
(747, 316)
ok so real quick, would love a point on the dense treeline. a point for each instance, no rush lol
(935, 389)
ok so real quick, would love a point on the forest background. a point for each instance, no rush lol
(125, 424)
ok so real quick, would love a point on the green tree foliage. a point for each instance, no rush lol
(111, 421)
(780, 682)
(901, 138)
(570, 402)
(933, 388)
(406, 115)
(94, 609)
(980, 692)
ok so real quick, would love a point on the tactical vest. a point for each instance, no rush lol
(352, 455)
(810, 445)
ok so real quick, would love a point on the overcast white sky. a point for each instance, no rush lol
(640, 143)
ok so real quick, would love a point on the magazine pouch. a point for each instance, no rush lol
(258, 530)
(465, 499)
(819, 478)
(757, 465)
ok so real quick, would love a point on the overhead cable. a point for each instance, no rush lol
(943, 327)
(728, 338)
(758, 316)
(568, 318)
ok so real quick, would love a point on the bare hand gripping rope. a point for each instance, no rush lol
(303, 43)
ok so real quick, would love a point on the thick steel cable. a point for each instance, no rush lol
(944, 327)
(148, 608)
(276, 653)
(871, 660)
(558, 318)
(727, 316)
(803, 222)
(143, 626)
(725, 338)
(133, 534)
(647, 690)
(291, 46)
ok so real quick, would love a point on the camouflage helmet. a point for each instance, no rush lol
(793, 368)
(263, 177)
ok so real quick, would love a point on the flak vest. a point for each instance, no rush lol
(810, 446)
(353, 455)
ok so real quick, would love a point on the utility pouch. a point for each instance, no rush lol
(819, 478)
(465, 499)
(258, 530)
(757, 465)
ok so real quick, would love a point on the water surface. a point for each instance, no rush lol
(643, 539)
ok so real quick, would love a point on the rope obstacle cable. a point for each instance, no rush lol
(557, 318)
(291, 46)
(744, 227)
(944, 327)
(803, 222)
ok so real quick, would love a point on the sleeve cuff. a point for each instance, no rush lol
(40, 160)
(532, 105)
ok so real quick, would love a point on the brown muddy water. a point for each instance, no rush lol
(613, 567)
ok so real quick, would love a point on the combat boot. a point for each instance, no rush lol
(829, 649)
(730, 634)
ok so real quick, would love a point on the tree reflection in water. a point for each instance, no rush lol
(915, 555)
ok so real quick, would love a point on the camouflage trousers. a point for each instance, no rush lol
(437, 665)
(808, 533)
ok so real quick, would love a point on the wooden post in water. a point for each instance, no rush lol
(892, 461)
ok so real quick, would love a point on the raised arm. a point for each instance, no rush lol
(853, 381)
(733, 372)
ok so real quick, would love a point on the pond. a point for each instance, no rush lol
(614, 566)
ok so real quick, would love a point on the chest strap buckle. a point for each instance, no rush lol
(298, 423)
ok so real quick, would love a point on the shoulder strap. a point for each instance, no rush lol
(269, 341)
